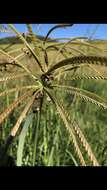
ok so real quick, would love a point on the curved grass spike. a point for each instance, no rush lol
(86, 95)
(16, 62)
(34, 40)
(61, 48)
(82, 65)
(83, 140)
(94, 69)
(29, 27)
(99, 77)
(14, 105)
(76, 50)
(67, 125)
(79, 59)
(12, 76)
(18, 123)
(62, 71)
(85, 144)
(57, 49)
(75, 38)
(55, 27)
(18, 89)
(27, 45)
(71, 42)
(31, 34)
(22, 116)
(87, 44)
(3, 29)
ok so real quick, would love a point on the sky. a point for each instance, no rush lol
(93, 31)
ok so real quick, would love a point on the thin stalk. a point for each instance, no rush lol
(55, 27)
(27, 45)
(18, 63)
(7, 105)
(37, 132)
(36, 138)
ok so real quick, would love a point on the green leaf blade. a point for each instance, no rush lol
(22, 139)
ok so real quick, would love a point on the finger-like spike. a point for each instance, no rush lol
(22, 116)
(13, 105)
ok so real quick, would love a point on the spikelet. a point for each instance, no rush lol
(84, 94)
(73, 139)
(17, 89)
(89, 77)
(13, 106)
(13, 76)
(85, 144)
(22, 116)
(77, 149)
(83, 140)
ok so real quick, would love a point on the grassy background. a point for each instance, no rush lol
(53, 144)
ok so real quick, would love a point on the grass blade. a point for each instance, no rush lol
(72, 157)
(85, 144)
(22, 139)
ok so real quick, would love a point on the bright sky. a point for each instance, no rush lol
(95, 31)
